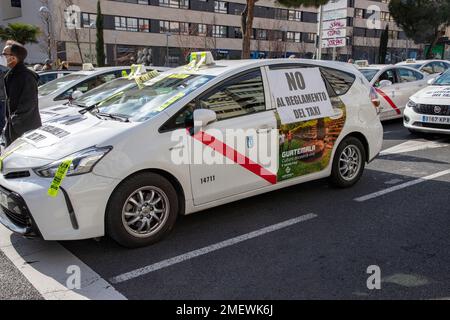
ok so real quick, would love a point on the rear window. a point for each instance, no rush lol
(338, 82)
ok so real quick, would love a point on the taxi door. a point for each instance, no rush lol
(390, 95)
(238, 152)
(410, 82)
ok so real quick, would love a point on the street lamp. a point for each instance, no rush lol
(91, 26)
(168, 34)
(45, 14)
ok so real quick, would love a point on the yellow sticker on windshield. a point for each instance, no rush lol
(140, 80)
(124, 73)
(59, 177)
(179, 76)
(10, 152)
(171, 101)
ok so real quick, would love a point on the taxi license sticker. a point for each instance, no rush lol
(59, 177)
(171, 101)
(10, 152)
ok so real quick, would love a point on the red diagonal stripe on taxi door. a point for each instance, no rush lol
(389, 100)
(235, 156)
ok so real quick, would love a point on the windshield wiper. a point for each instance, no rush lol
(87, 109)
(114, 116)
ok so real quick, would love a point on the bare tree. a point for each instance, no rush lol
(73, 34)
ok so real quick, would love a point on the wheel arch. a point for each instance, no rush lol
(171, 178)
(361, 137)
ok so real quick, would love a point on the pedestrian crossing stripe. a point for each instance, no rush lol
(59, 177)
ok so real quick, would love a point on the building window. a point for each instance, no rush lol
(220, 7)
(132, 24)
(310, 37)
(281, 14)
(184, 28)
(16, 3)
(237, 33)
(359, 13)
(293, 36)
(120, 23)
(144, 25)
(164, 26)
(219, 31)
(202, 29)
(295, 15)
(88, 19)
(183, 4)
(261, 34)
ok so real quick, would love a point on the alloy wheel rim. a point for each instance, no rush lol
(145, 211)
(350, 162)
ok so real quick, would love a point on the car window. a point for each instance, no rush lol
(90, 84)
(242, 95)
(406, 75)
(43, 79)
(60, 83)
(387, 75)
(438, 67)
(369, 73)
(239, 96)
(428, 68)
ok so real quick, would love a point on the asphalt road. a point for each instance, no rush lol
(404, 232)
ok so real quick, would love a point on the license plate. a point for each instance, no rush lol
(434, 119)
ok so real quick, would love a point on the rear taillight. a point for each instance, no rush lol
(375, 99)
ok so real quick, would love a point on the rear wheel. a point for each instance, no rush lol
(349, 163)
(142, 210)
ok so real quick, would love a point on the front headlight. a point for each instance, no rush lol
(412, 104)
(83, 162)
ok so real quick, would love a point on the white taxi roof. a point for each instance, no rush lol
(221, 67)
(98, 70)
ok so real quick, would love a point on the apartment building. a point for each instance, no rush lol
(163, 32)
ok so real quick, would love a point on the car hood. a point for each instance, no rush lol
(57, 111)
(433, 95)
(60, 137)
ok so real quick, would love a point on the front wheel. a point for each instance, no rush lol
(349, 163)
(142, 210)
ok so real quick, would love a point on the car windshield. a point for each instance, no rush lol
(369, 73)
(443, 80)
(57, 84)
(104, 91)
(145, 102)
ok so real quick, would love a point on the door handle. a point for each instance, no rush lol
(176, 148)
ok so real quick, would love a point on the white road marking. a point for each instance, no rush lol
(402, 186)
(414, 145)
(200, 252)
(44, 265)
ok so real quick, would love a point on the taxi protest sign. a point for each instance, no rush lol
(300, 94)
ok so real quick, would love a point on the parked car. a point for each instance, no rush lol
(188, 140)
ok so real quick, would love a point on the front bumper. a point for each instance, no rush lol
(78, 211)
(414, 121)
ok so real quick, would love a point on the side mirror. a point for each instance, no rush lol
(431, 81)
(385, 83)
(76, 94)
(202, 118)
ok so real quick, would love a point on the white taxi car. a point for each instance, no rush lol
(395, 84)
(190, 139)
(429, 109)
(60, 91)
(429, 67)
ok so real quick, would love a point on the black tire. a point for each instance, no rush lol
(120, 200)
(337, 179)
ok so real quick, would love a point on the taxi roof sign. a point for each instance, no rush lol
(362, 63)
(199, 59)
(88, 67)
(410, 61)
